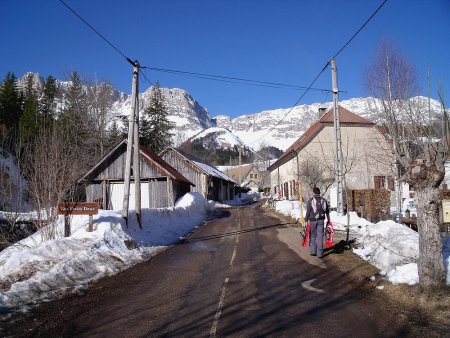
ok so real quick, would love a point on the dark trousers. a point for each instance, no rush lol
(316, 237)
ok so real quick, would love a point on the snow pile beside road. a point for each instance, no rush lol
(34, 270)
(245, 198)
(290, 208)
(388, 244)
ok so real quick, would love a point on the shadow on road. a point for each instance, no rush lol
(232, 233)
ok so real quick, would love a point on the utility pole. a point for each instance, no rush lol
(136, 156)
(240, 175)
(133, 129)
(337, 131)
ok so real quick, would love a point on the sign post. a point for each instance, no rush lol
(77, 208)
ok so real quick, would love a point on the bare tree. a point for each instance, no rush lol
(100, 101)
(393, 82)
(52, 172)
(313, 173)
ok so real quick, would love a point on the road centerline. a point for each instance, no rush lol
(213, 331)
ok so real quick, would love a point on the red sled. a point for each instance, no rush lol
(305, 235)
(329, 235)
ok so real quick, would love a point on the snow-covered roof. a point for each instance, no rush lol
(206, 168)
(210, 170)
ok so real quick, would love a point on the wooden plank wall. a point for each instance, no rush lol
(158, 194)
(114, 168)
(188, 170)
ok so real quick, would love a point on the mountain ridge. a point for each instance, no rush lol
(277, 127)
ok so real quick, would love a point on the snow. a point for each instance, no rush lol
(215, 172)
(224, 136)
(391, 247)
(37, 269)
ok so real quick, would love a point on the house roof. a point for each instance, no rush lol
(241, 171)
(346, 118)
(147, 154)
(200, 165)
(156, 158)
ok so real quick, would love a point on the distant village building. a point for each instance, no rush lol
(246, 175)
(208, 180)
(161, 184)
(368, 163)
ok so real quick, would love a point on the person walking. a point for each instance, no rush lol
(316, 210)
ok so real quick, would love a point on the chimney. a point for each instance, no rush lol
(322, 111)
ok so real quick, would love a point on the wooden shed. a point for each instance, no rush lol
(161, 184)
(208, 180)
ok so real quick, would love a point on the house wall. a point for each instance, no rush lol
(364, 154)
(187, 169)
(155, 193)
(254, 175)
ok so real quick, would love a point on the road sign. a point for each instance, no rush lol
(78, 208)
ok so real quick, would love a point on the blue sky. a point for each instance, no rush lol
(282, 41)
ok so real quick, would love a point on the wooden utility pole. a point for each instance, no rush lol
(239, 171)
(132, 129)
(337, 131)
(136, 161)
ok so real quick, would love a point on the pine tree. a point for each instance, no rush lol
(154, 131)
(48, 103)
(29, 123)
(74, 117)
(114, 136)
(10, 106)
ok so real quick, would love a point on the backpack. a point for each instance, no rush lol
(318, 206)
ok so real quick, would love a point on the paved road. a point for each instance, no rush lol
(242, 275)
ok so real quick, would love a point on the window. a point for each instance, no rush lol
(384, 182)
(251, 175)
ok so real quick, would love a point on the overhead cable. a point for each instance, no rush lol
(97, 32)
(323, 69)
(232, 79)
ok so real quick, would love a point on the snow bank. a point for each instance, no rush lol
(290, 208)
(35, 270)
(245, 198)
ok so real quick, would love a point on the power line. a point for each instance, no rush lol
(97, 32)
(359, 30)
(323, 69)
(295, 104)
(232, 79)
(221, 78)
(146, 78)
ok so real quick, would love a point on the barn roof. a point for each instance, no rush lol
(202, 166)
(147, 154)
(346, 118)
(156, 158)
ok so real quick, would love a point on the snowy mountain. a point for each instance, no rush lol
(278, 128)
(217, 137)
(185, 112)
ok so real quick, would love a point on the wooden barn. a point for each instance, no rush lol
(161, 184)
(208, 180)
